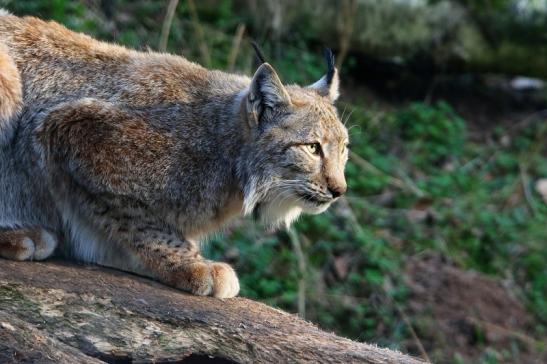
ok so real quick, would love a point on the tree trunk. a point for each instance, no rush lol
(59, 312)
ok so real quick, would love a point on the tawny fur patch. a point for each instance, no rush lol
(10, 89)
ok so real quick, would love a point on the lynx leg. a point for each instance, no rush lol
(178, 263)
(26, 244)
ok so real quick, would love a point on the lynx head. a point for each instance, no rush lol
(296, 152)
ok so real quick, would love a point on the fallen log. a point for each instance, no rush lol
(61, 312)
(436, 37)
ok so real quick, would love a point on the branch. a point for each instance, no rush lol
(200, 34)
(166, 27)
(236, 44)
(71, 313)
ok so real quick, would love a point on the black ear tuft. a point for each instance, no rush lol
(329, 58)
(258, 52)
(328, 85)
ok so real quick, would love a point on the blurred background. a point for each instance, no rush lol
(439, 248)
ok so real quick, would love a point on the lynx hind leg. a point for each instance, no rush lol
(26, 244)
(10, 92)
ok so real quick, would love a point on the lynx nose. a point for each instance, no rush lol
(337, 189)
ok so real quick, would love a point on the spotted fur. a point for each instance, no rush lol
(127, 158)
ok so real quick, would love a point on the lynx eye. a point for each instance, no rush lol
(314, 148)
(344, 148)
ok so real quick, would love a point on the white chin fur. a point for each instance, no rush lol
(275, 214)
(315, 209)
(276, 210)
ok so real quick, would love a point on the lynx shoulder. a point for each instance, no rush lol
(129, 158)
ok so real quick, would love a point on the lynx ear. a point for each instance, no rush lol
(329, 84)
(266, 92)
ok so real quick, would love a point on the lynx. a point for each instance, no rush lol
(127, 159)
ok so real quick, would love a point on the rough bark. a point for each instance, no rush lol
(22, 342)
(60, 312)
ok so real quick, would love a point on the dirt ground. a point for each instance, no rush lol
(465, 315)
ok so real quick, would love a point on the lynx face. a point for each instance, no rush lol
(299, 149)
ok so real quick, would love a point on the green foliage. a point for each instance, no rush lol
(416, 183)
(432, 135)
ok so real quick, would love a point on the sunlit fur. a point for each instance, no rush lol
(128, 158)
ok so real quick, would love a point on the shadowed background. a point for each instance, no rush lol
(439, 248)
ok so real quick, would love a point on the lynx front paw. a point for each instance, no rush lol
(212, 279)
